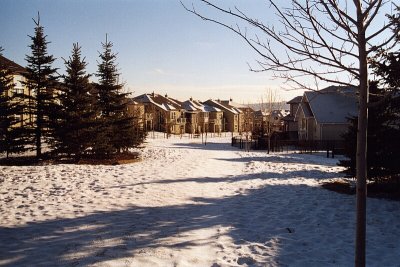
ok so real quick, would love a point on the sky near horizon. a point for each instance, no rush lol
(161, 47)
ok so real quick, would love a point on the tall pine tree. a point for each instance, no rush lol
(76, 124)
(13, 136)
(42, 83)
(116, 132)
(383, 125)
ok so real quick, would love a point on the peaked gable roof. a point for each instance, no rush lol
(223, 107)
(193, 105)
(160, 101)
(333, 104)
(14, 67)
(295, 100)
(305, 107)
(232, 104)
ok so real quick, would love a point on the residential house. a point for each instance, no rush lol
(162, 113)
(290, 127)
(276, 120)
(260, 122)
(323, 115)
(202, 118)
(18, 72)
(268, 122)
(196, 117)
(215, 120)
(136, 111)
(246, 115)
(231, 116)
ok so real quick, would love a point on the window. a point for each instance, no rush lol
(18, 91)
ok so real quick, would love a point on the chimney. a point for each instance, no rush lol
(153, 94)
(166, 95)
(191, 99)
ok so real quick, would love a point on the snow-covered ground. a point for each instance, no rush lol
(187, 204)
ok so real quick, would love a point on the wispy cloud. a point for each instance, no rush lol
(159, 71)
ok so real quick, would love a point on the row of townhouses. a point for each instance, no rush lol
(316, 115)
(166, 114)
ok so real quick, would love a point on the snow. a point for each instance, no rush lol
(189, 204)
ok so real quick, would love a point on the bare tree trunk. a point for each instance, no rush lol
(361, 157)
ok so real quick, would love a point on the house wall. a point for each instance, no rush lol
(302, 126)
(241, 122)
(170, 121)
(293, 108)
(137, 112)
(175, 121)
(20, 88)
(292, 126)
(307, 128)
(154, 117)
(231, 122)
(332, 131)
(215, 121)
(311, 129)
(191, 122)
(246, 120)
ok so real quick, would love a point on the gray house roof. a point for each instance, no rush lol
(14, 67)
(333, 104)
(158, 100)
(193, 105)
(221, 106)
(295, 100)
(305, 107)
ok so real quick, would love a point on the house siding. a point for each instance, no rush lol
(215, 121)
(332, 131)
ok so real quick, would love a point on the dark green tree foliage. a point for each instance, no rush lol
(383, 125)
(76, 123)
(12, 132)
(116, 132)
(42, 82)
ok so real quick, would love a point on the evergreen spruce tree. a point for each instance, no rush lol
(13, 136)
(383, 125)
(75, 127)
(42, 83)
(387, 145)
(116, 132)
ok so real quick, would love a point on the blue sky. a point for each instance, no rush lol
(161, 47)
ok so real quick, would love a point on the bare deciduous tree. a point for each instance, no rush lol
(270, 105)
(331, 41)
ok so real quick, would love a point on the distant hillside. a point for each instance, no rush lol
(277, 105)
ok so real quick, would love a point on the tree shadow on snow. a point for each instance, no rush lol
(287, 158)
(208, 146)
(288, 175)
(256, 216)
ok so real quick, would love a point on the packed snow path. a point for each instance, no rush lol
(187, 204)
